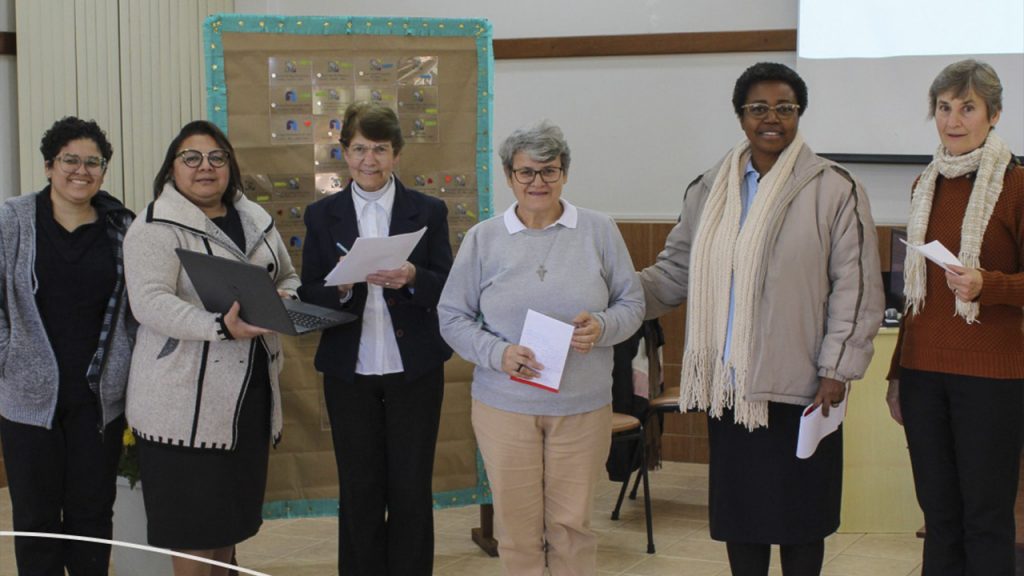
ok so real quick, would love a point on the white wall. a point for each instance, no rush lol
(640, 128)
(9, 158)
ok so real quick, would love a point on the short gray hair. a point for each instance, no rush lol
(962, 77)
(542, 142)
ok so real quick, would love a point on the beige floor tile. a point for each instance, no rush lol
(288, 567)
(707, 550)
(275, 545)
(665, 529)
(848, 565)
(617, 561)
(838, 543)
(896, 546)
(475, 566)
(665, 566)
(629, 542)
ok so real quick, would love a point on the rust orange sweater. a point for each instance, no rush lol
(936, 339)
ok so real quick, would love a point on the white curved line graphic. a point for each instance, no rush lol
(136, 546)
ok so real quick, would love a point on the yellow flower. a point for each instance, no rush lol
(129, 438)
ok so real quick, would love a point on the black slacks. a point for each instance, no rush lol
(964, 435)
(63, 480)
(384, 430)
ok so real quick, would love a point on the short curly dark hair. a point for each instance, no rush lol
(71, 128)
(768, 72)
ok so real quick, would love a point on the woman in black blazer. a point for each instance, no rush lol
(384, 374)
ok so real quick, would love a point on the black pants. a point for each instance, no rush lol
(964, 435)
(62, 480)
(384, 430)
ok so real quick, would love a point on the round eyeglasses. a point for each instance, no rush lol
(761, 110)
(194, 158)
(548, 174)
(69, 163)
(359, 151)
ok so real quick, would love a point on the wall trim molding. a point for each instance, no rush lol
(782, 40)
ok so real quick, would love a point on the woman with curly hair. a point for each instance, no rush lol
(64, 353)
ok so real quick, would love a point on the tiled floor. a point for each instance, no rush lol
(308, 547)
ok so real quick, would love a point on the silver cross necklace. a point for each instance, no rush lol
(541, 270)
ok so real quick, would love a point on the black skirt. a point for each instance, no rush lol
(761, 493)
(204, 499)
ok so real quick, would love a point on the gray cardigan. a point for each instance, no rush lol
(28, 367)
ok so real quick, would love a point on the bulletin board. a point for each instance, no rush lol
(279, 86)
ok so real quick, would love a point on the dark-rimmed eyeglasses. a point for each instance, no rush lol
(760, 110)
(194, 158)
(548, 174)
(69, 163)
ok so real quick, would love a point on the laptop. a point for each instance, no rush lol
(222, 281)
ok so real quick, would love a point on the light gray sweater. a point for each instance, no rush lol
(28, 367)
(494, 282)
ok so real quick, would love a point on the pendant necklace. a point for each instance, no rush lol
(541, 270)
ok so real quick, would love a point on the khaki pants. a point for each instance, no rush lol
(542, 472)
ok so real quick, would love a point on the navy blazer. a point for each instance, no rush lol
(413, 313)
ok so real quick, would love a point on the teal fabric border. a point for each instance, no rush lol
(216, 89)
(217, 112)
(481, 494)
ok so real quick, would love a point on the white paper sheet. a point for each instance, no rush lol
(814, 426)
(367, 255)
(937, 253)
(549, 339)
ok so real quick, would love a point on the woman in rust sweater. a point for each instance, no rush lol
(957, 376)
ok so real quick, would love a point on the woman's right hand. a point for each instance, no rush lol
(240, 329)
(892, 398)
(519, 361)
(343, 289)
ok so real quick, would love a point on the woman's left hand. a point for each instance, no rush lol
(830, 393)
(964, 282)
(587, 332)
(404, 275)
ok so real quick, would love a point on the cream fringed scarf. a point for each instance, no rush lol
(990, 162)
(719, 249)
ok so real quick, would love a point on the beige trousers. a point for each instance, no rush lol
(542, 472)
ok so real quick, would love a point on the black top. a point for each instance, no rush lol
(76, 272)
(231, 224)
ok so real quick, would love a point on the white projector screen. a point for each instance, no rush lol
(868, 65)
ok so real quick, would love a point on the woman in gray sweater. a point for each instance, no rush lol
(64, 353)
(543, 450)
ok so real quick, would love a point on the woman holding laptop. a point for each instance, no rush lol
(203, 397)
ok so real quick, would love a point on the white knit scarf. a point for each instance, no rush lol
(990, 162)
(723, 255)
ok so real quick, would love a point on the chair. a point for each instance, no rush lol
(667, 403)
(626, 428)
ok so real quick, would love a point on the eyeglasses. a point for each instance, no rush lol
(360, 151)
(548, 174)
(760, 110)
(69, 163)
(194, 158)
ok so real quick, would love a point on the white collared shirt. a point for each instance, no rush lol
(568, 218)
(378, 348)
